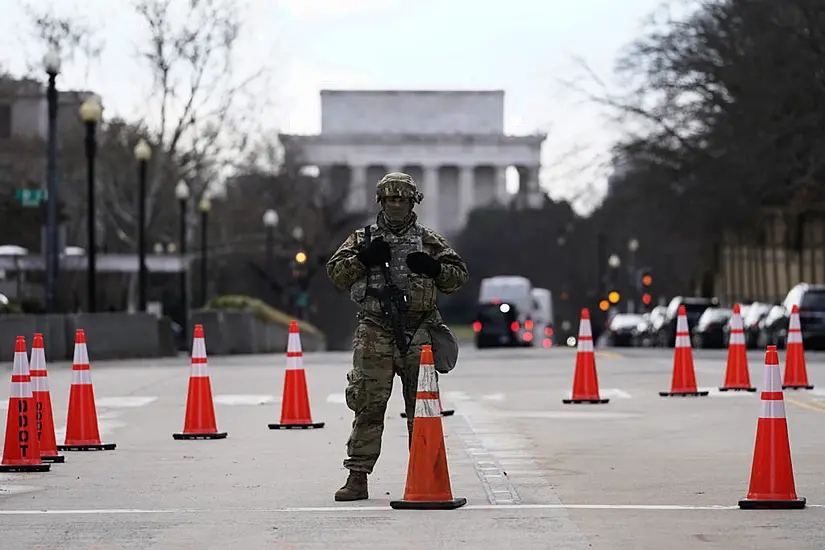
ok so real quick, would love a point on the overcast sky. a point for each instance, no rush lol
(522, 46)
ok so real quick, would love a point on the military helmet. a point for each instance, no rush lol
(397, 184)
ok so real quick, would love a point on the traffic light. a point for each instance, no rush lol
(645, 280)
(646, 299)
(300, 257)
(604, 305)
(613, 297)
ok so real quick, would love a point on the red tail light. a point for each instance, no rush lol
(528, 336)
(514, 326)
(528, 324)
(547, 343)
(477, 326)
(548, 331)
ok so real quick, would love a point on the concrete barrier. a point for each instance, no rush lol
(229, 332)
(109, 335)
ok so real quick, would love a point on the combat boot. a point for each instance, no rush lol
(354, 489)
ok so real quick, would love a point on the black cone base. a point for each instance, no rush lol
(747, 504)
(424, 505)
(591, 401)
(448, 412)
(100, 447)
(312, 425)
(683, 393)
(25, 467)
(53, 459)
(737, 389)
(216, 435)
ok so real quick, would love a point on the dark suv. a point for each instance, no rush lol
(810, 299)
(497, 325)
(694, 308)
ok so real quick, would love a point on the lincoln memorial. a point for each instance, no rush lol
(451, 142)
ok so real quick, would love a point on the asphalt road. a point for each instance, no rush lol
(641, 472)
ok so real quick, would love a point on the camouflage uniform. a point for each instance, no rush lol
(376, 358)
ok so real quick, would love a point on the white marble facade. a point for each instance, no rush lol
(452, 143)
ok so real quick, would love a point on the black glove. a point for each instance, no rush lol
(377, 253)
(423, 264)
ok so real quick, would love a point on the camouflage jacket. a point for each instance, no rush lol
(347, 272)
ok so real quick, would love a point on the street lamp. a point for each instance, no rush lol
(142, 153)
(270, 220)
(633, 245)
(51, 62)
(204, 206)
(614, 261)
(90, 113)
(182, 194)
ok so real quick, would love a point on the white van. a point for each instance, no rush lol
(542, 317)
(505, 310)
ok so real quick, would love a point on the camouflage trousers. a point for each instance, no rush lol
(376, 361)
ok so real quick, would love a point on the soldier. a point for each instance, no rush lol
(420, 264)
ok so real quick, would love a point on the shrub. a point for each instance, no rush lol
(259, 309)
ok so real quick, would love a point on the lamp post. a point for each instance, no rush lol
(301, 298)
(270, 220)
(632, 246)
(142, 153)
(90, 112)
(204, 206)
(51, 61)
(182, 194)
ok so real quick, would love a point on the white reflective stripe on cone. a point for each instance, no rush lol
(794, 322)
(585, 345)
(773, 408)
(81, 377)
(794, 336)
(81, 354)
(199, 349)
(199, 370)
(39, 382)
(426, 379)
(21, 364)
(38, 361)
(294, 363)
(294, 342)
(737, 338)
(21, 390)
(427, 408)
(736, 323)
(681, 324)
(682, 341)
(584, 328)
(772, 381)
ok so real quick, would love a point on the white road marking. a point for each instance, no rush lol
(125, 402)
(243, 399)
(339, 509)
(570, 415)
(609, 393)
(730, 393)
(494, 397)
(456, 396)
(337, 398)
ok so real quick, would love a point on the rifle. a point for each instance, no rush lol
(393, 303)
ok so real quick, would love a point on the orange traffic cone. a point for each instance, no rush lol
(295, 411)
(82, 432)
(683, 383)
(428, 477)
(585, 381)
(43, 403)
(737, 377)
(200, 410)
(796, 373)
(21, 453)
(772, 483)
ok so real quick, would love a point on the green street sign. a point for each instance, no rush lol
(302, 300)
(30, 197)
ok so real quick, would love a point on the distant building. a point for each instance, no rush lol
(24, 127)
(451, 142)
